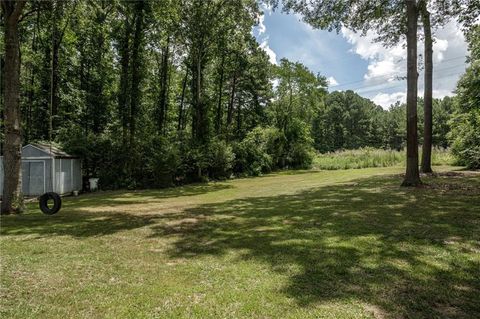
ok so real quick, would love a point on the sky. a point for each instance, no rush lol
(353, 62)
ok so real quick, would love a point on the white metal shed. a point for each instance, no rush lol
(45, 169)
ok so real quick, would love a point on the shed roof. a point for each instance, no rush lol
(50, 150)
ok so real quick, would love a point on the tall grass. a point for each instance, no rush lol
(370, 157)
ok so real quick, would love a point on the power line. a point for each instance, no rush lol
(398, 85)
(388, 76)
(435, 72)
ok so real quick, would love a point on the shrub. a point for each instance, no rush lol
(252, 153)
(220, 159)
(298, 147)
(162, 161)
(465, 137)
(371, 157)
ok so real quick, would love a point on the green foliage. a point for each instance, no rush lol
(157, 93)
(370, 157)
(162, 160)
(254, 154)
(220, 159)
(466, 138)
(465, 134)
(298, 149)
(348, 121)
(299, 99)
(442, 113)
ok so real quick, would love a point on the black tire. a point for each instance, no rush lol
(57, 203)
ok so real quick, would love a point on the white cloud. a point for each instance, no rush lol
(261, 28)
(385, 99)
(272, 55)
(383, 68)
(439, 47)
(260, 31)
(332, 81)
(383, 62)
(386, 65)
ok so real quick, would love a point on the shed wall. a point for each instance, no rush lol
(37, 176)
(68, 175)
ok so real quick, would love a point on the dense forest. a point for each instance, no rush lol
(151, 93)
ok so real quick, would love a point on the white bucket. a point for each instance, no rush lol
(93, 184)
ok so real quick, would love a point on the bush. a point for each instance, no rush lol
(361, 158)
(465, 137)
(371, 157)
(101, 157)
(252, 153)
(267, 148)
(465, 125)
(299, 151)
(220, 159)
(162, 162)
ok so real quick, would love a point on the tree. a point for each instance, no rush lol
(426, 164)
(465, 134)
(347, 121)
(299, 98)
(443, 11)
(12, 201)
(412, 176)
(187, 86)
(392, 20)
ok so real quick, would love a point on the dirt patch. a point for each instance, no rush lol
(449, 186)
(376, 311)
(449, 311)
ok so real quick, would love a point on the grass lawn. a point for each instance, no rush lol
(326, 244)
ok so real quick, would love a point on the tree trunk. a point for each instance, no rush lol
(163, 100)
(412, 175)
(232, 100)
(136, 72)
(239, 118)
(182, 99)
(218, 120)
(57, 8)
(199, 112)
(12, 201)
(28, 130)
(426, 166)
(123, 97)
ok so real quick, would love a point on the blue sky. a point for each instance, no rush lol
(354, 62)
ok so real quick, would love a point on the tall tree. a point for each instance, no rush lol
(392, 20)
(139, 14)
(412, 176)
(426, 166)
(443, 12)
(12, 200)
(125, 29)
(465, 134)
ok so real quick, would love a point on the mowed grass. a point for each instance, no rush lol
(372, 157)
(326, 244)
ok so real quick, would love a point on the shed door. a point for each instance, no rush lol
(33, 177)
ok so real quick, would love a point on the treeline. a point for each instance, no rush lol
(349, 121)
(152, 93)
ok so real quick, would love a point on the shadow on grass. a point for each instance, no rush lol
(136, 196)
(407, 252)
(73, 221)
(75, 224)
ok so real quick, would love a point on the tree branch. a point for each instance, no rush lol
(17, 11)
